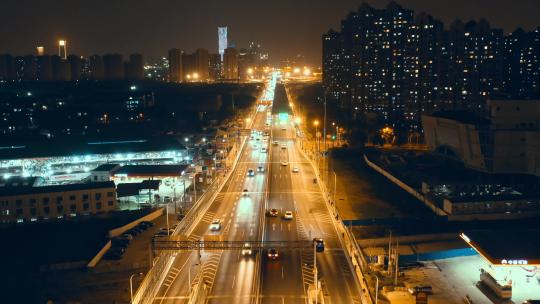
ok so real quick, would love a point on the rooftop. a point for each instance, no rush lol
(9, 191)
(105, 168)
(151, 170)
(463, 117)
(506, 247)
(81, 146)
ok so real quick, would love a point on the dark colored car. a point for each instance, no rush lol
(319, 244)
(147, 223)
(273, 254)
(273, 212)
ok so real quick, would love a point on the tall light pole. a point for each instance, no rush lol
(315, 272)
(316, 123)
(131, 285)
(324, 123)
(377, 290)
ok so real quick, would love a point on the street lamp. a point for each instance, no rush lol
(131, 285)
(316, 123)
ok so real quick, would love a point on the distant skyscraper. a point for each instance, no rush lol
(7, 67)
(96, 67)
(230, 64)
(114, 66)
(175, 65)
(222, 41)
(44, 66)
(62, 49)
(75, 64)
(40, 51)
(215, 66)
(134, 67)
(61, 69)
(30, 68)
(202, 63)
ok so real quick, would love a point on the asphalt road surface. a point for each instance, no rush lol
(235, 278)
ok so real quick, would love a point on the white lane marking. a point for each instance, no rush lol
(274, 227)
(281, 224)
(251, 232)
(289, 227)
(233, 281)
(282, 273)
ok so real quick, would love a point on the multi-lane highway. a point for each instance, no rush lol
(286, 183)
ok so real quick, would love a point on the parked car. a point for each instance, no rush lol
(148, 223)
(126, 236)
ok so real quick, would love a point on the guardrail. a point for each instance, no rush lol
(162, 263)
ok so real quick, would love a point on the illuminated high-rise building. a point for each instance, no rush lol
(62, 49)
(230, 64)
(222, 41)
(175, 65)
(40, 51)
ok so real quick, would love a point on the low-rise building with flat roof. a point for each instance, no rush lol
(29, 204)
(506, 141)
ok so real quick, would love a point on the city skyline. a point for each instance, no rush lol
(160, 27)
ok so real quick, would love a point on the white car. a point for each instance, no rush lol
(283, 146)
(250, 172)
(245, 192)
(276, 143)
(288, 215)
(295, 170)
(215, 225)
(284, 163)
(263, 150)
(246, 249)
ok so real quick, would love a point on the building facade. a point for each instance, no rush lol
(508, 141)
(230, 64)
(29, 204)
(399, 65)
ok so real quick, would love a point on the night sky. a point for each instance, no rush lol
(283, 27)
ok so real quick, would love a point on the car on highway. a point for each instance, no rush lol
(250, 172)
(273, 254)
(245, 192)
(284, 163)
(260, 169)
(215, 225)
(246, 249)
(288, 215)
(295, 170)
(275, 143)
(263, 150)
(283, 146)
(273, 212)
(319, 244)
(283, 128)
